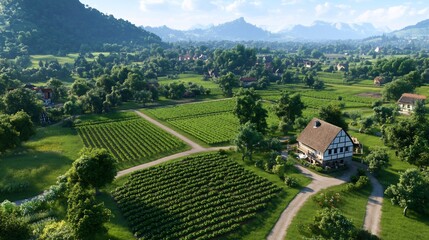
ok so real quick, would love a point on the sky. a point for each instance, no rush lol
(272, 15)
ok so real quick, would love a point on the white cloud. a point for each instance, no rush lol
(145, 4)
(188, 5)
(322, 9)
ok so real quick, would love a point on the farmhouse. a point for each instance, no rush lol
(325, 144)
(408, 101)
(248, 81)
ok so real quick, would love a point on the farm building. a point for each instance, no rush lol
(407, 102)
(248, 81)
(325, 144)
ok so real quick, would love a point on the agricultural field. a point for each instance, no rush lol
(211, 122)
(195, 78)
(129, 138)
(202, 197)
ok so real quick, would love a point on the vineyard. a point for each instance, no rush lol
(129, 139)
(211, 122)
(192, 110)
(201, 197)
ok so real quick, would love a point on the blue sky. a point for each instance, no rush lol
(273, 15)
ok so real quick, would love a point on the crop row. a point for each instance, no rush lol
(334, 96)
(130, 139)
(201, 197)
(211, 129)
(193, 109)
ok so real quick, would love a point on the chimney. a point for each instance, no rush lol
(317, 124)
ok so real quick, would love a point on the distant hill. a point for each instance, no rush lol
(420, 30)
(320, 30)
(49, 26)
(237, 30)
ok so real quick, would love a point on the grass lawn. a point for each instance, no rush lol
(70, 58)
(393, 224)
(37, 164)
(352, 205)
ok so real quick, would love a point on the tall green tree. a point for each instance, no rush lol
(248, 108)
(330, 223)
(377, 159)
(394, 90)
(332, 114)
(227, 83)
(247, 140)
(289, 108)
(85, 214)
(9, 137)
(58, 88)
(411, 192)
(23, 99)
(95, 167)
(22, 123)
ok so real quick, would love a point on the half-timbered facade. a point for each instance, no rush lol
(325, 144)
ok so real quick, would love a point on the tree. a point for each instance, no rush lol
(419, 114)
(248, 108)
(247, 140)
(417, 153)
(9, 137)
(57, 230)
(58, 88)
(330, 223)
(412, 191)
(289, 107)
(394, 90)
(377, 159)
(13, 227)
(95, 167)
(85, 215)
(22, 123)
(384, 114)
(227, 83)
(80, 87)
(23, 99)
(332, 114)
(72, 107)
(309, 80)
(143, 96)
(319, 84)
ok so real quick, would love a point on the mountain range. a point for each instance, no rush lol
(240, 30)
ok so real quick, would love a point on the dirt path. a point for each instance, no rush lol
(318, 183)
(194, 146)
(373, 208)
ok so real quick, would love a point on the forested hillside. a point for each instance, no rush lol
(52, 26)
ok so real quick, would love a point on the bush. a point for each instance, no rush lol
(327, 200)
(290, 181)
(259, 164)
(362, 182)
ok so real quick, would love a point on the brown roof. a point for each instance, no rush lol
(319, 138)
(248, 79)
(410, 98)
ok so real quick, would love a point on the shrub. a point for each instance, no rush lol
(290, 181)
(259, 164)
(362, 182)
(327, 200)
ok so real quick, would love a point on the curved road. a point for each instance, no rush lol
(318, 183)
(372, 221)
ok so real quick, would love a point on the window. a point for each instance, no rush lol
(347, 149)
(341, 149)
(330, 151)
(336, 150)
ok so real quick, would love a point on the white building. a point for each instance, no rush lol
(408, 101)
(325, 144)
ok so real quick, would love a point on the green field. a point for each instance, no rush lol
(211, 122)
(131, 139)
(204, 197)
(352, 205)
(32, 168)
